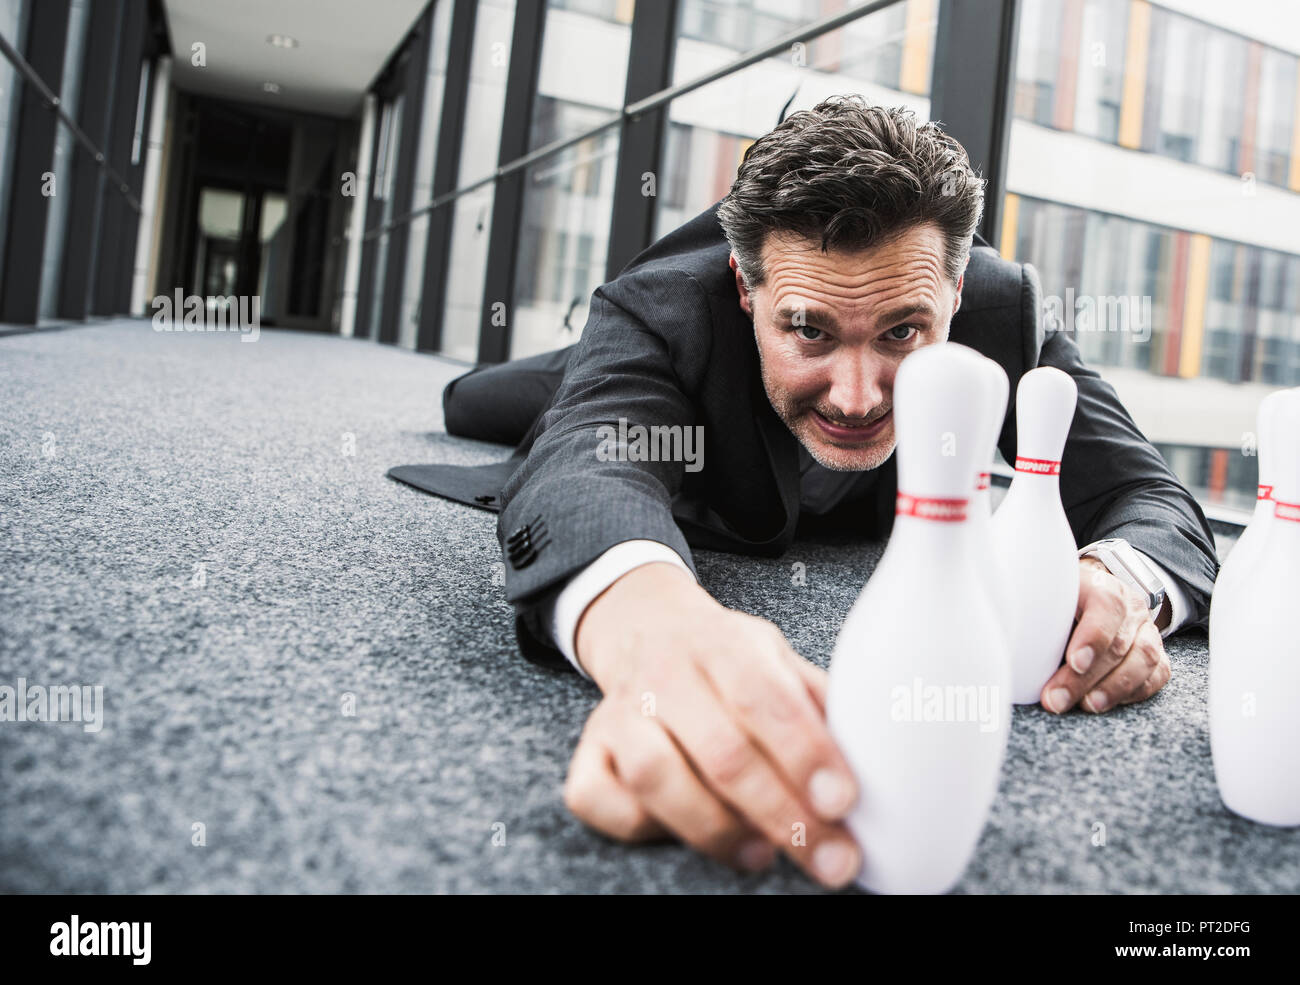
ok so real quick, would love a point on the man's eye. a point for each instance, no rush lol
(907, 330)
(808, 333)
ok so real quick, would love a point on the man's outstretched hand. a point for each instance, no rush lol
(711, 729)
(1115, 655)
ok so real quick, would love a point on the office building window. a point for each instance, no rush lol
(1175, 91)
(13, 25)
(741, 25)
(1038, 60)
(1103, 33)
(1276, 118)
(569, 197)
(472, 216)
(564, 239)
(1223, 76)
(1278, 333)
(884, 56)
(64, 147)
(417, 233)
(385, 174)
(1226, 311)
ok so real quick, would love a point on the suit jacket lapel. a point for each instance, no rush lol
(782, 459)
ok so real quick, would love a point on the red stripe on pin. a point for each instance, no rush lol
(982, 482)
(1038, 466)
(1265, 492)
(929, 508)
(1287, 511)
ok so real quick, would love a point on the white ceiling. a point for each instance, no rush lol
(342, 45)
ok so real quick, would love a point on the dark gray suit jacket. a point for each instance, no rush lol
(666, 343)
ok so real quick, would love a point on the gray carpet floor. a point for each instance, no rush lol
(203, 527)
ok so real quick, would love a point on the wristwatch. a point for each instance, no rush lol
(1126, 564)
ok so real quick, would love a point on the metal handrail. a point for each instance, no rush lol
(53, 102)
(633, 111)
(1232, 516)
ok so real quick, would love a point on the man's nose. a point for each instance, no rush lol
(856, 387)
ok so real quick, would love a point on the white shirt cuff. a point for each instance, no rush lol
(1178, 604)
(588, 583)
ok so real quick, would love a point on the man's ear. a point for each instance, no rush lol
(745, 304)
(961, 282)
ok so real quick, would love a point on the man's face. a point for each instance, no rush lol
(832, 329)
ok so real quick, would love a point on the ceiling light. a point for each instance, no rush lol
(281, 41)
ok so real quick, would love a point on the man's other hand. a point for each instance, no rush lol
(711, 729)
(1115, 655)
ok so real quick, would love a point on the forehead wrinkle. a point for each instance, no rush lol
(917, 267)
(819, 299)
(843, 287)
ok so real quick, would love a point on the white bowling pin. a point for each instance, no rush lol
(1240, 559)
(998, 583)
(1032, 535)
(1255, 653)
(919, 680)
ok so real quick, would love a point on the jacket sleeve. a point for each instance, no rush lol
(1113, 481)
(641, 356)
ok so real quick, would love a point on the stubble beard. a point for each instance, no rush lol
(828, 456)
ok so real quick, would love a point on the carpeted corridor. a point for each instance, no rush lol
(203, 526)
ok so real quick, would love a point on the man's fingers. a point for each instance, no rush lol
(650, 765)
(815, 679)
(767, 695)
(1158, 679)
(1108, 624)
(598, 798)
(736, 769)
(1110, 618)
(1131, 675)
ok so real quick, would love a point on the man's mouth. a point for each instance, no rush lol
(853, 433)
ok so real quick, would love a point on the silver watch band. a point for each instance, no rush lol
(1122, 561)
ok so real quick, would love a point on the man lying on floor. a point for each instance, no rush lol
(772, 326)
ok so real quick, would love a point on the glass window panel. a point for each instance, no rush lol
(742, 25)
(568, 201)
(1225, 311)
(1291, 306)
(1100, 85)
(390, 142)
(1140, 282)
(273, 236)
(221, 213)
(1222, 118)
(221, 224)
(617, 11)
(569, 197)
(1276, 117)
(1122, 266)
(472, 212)
(584, 63)
(13, 25)
(1038, 57)
(710, 129)
(1160, 273)
(417, 244)
(64, 146)
(1181, 96)
(873, 47)
(1273, 332)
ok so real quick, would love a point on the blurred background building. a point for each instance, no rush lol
(457, 176)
